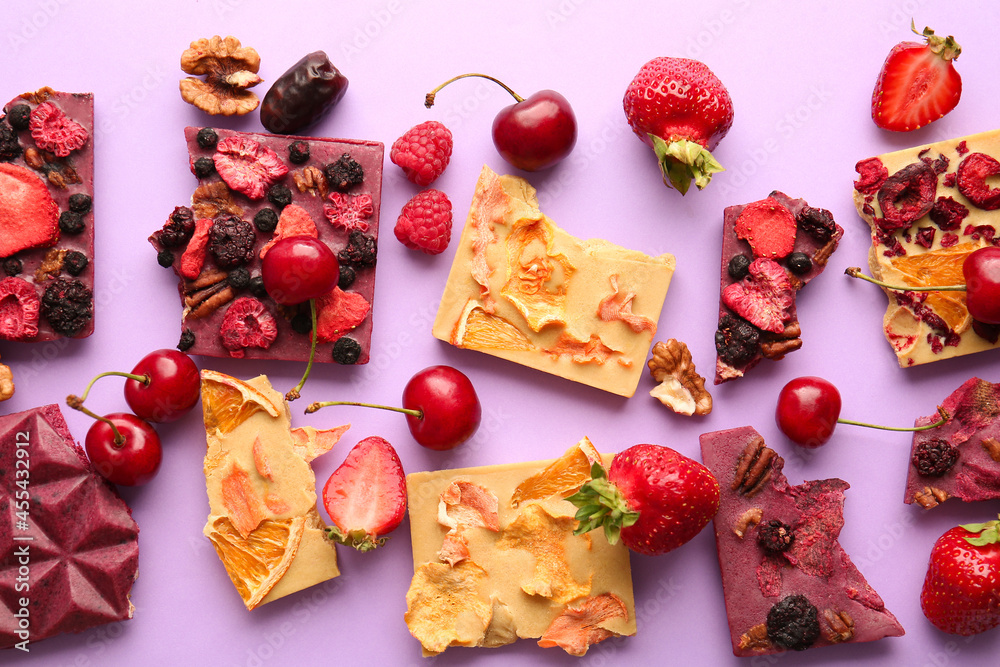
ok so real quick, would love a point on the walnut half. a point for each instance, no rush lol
(229, 70)
(681, 388)
(6, 382)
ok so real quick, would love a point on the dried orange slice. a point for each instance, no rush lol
(257, 562)
(478, 329)
(562, 477)
(940, 267)
(228, 402)
(538, 277)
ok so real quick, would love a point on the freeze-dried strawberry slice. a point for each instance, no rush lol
(247, 324)
(29, 217)
(338, 313)
(768, 227)
(764, 297)
(349, 212)
(247, 166)
(56, 132)
(294, 221)
(193, 258)
(19, 305)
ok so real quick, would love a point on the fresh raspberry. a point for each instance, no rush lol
(339, 312)
(768, 227)
(764, 298)
(247, 323)
(247, 166)
(19, 306)
(423, 152)
(425, 222)
(973, 172)
(872, 175)
(294, 221)
(948, 214)
(349, 212)
(28, 214)
(68, 305)
(907, 196)
(193, 258)
(55, 132)
(231, 241)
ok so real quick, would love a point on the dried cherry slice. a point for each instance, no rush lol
(973, 173)
(907, 196)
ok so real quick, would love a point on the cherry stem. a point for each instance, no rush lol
(313, 407)
(855, 272)
(941, 411)
(77, 404)
(429, 98)
(71, 399)
(293, 393)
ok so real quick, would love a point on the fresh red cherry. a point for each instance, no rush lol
(299, 268)
(807, 412)
(532, 134)
(441, 407)
(164, 387)
(124, 449)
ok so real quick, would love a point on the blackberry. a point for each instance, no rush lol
(12, 266)
(68, 305)
(360, 250)
(347, 276)
(256, 287)
(231, 241)
(238, 278)
(186, 341)
(71, 222)
(165, 258)
(302, 323)
(203, 167)
(817, 222)
(178, 229)
(207, 137)
(934, 457)
(799, 263)
(736, 340)
(80, 203)
(266, 220)
(738, 267)
(19, 117)
(298, 152)
(344, 174)
(793, 623)
(75, 262)
(279, 195)
(346, 351)
(10, 149)
(775, 537)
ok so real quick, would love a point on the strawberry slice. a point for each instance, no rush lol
(768, 227)
(29, 217)
(366, 496)
(918, 83)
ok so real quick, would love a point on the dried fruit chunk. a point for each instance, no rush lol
(293, 221)
(562, 477)
(349, 212)
(907, 196)
(872, 174)
(247, 166)
(764, 298)
(948, 214)
(229, 69)
(193, 258)
(973, 174)
(29, 217)
(577, 628)
(247, 323)
(939, 267)
(478, 329)
(303, 94)
(68, 305)
(231, 241)
(55, 132)
(228, 402)
(768, 227)
(6, 383)
(446, 606)
(618, 306)
(338, 313)
(19, 307)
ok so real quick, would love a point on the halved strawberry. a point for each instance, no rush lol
(918, 83)
(366, 496)
(29, 217)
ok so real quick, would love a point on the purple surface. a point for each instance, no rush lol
(801, 79)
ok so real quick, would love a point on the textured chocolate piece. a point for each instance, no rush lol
(69, 550)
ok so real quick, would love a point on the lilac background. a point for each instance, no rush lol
(800, 75)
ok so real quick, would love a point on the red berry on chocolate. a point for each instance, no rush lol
(131, 461)
(247, 323)
(423, 152)
(19, 309)
(56, 132)
(808, 409)
(907, 196)
(764, 298)
(29, 216)
(349, 212)
(231, 240)
(247, 166)
(934, 457)
(768, 227)
(973, 173)
(817, 223)
(299, 268)
(169, 389)
(425, 222)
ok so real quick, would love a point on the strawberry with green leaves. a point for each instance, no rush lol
(918, 83)
(681, 109)
(652, 497)
(961, 593)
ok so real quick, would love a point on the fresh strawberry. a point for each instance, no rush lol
(366, 496)
(961, 593)
(653, 497)
(681, 109)
(918, 83)
(425, 222)
(423, 152)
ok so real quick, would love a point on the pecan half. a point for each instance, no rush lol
(931, 497)
(311, 180)
(992, 447)
(747, 520)
(681, 388)
(775, 346)
(207, 293)
(755, 639)
(213, 199)
(753, 467)
(836, 626)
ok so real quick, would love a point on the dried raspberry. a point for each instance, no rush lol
(344, 174)
(962, 148)
(979, 232)
(203, 167)
(279, 195)
(338, 313)
(817, 223)
(907, 196)
(12, 266)
(950, 179)
(294, 221)
(423, 152)
(10, 148)
(425, 222)
(948, 214)
(774, 537)
(265, 220)
(29, 217)
(872, 175)
(19, 306)
(361, 250)
(736, 340)
(925, 236)
(19, 117)
(768, 227)
(178, 228)
(934, 457)
(298, 152)
(346, 351)
(55, 132)
(68, 305)
(939, 164)
(764, 297)
(193, 258)
(231, 241)
(793, 623)
(247, 166)
(207, 137)
(75, 262)
(80, 203)
(247, 323)
(186, 341)
(349, 212)
(973, 172)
